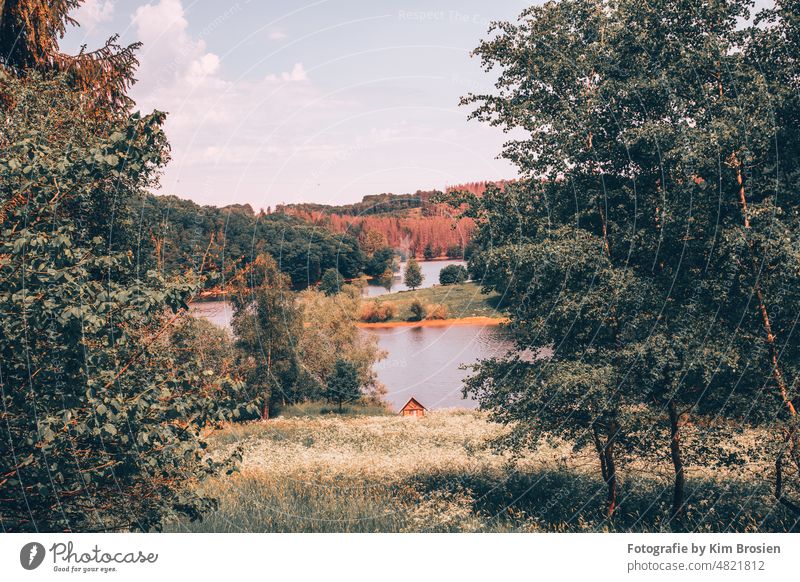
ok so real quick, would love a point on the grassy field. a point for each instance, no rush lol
(464, 300)
(437, 474)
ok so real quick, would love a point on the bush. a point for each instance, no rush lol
(377, 311)
(418, 311)
(452, 275)
(436, 311)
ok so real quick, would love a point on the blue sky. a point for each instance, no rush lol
(323, 101)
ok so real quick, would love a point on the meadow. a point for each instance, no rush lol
(385, 473)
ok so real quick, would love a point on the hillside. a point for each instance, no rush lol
(409, 222)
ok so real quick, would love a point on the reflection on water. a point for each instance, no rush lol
(424, 362)
(430, 272)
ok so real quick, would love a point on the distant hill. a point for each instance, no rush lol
(410, 223)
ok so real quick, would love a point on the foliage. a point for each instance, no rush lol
(267, 323)
(453, 275)
(413, 276)
(377, 311)
(379, 262)
(343, 384)
(651, 245)
(29, 33)
(222, 241)
(331, 282)
(417, 311)
(436, 311)
(330, 333)
(101, 430)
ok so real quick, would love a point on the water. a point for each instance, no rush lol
(430, 272)
(424, 362)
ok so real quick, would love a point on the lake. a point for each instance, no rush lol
(430, 273)
(424, 362)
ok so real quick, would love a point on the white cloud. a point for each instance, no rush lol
(298, 73)
(277, 35)
(93, 12)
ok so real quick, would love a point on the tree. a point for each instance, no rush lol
(267, 323)
(428, 252)
(373, 241)
(659, 277)
(330, 333)
(101, 430)
(331, 282)
(29, 33)
(343, 384)
(380, 260)
(417, 311)
(413, 276)
(453, 275)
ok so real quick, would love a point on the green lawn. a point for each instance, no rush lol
(464, 300)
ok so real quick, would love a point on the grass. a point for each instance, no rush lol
(387, 473)
(313, 409)
(463, 300)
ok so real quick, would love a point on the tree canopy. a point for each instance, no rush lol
(648, 257)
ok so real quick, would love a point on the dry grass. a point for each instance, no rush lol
(437, 473)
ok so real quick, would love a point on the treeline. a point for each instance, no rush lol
(370, 204)
(443, 235)
(220, 241)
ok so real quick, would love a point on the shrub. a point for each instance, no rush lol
(377, 311)
(452, 275)
(436, 311)
(417, 311)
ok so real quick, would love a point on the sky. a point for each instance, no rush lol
(278, 101)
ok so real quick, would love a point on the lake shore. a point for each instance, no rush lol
(476, 320)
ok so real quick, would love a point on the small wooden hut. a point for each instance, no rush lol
(413, 408)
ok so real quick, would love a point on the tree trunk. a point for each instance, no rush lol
(679, 491)
(605, 452)
(611, 470)
(265, 408)
(791, 432)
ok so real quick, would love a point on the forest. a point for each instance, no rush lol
(645, 264)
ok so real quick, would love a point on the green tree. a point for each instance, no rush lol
(658, 276)
(331, 282)
(330, 333)
(343, 384)
(413, 276)
(417, 311)
(453, 275)
(267, 323)
(101, 430)
(381, 259)
(428, 252)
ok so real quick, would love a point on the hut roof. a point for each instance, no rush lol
(413, 403)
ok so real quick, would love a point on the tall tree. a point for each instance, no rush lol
(101, 430)
(650, 235)
(267, 323)
(343, 384)
(29, 33)
(413, 276)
